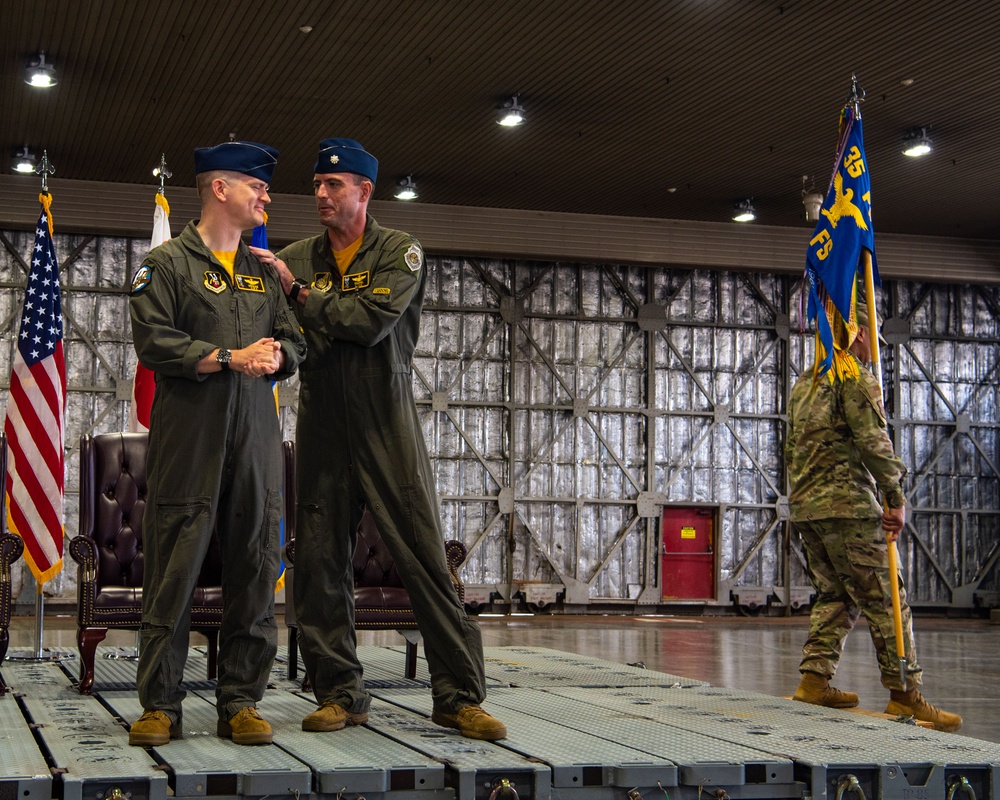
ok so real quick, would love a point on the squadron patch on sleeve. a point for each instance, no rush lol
(142, 277)
(249, 283)
(413, 257)
(355, 281)
(380, 290)
(322, 282)
(214, 282)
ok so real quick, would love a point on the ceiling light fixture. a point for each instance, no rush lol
(917, 143)
(406, 189)
(744, 211)
(24, 161)
(812, 200)
(510, 112)
(40, 73)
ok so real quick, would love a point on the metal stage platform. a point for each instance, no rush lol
(578, 729)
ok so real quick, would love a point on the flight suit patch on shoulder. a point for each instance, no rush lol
(322, 282)
(214, 282)
(380, 290)
(142, 278)
(355, 281)
(250, 283)
(414, 257)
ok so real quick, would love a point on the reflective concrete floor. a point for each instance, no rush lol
(960, 658)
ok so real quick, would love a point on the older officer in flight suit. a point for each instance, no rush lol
(214, 326)
(358, 290)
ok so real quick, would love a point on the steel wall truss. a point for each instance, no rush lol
(564, 403)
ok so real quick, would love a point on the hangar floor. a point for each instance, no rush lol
(550, 700)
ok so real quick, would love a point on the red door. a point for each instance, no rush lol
(688, 553)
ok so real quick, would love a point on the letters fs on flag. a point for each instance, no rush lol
(144, 384)
(843, 231)
(36, 408)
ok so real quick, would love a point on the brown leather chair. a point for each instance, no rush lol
(11, 548)
(108, 550)
(380, 600)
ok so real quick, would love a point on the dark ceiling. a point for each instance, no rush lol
(667, 109)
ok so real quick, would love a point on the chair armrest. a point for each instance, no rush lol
(454, 553)
(11, 548)
(83, 549)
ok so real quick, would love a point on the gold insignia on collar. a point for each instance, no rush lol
(322, 282)
(355, 281)
(214, 282)
(250, 283)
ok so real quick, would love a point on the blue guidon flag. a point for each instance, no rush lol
(844, 230)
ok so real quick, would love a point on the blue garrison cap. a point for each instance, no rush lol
(256, 160)
(345, 155)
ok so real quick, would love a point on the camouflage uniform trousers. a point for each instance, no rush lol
(849, 566)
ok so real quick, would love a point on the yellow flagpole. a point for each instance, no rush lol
(873, 327)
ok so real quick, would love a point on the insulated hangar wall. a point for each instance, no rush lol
(610, 437)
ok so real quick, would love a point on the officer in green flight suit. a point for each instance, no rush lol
(357, 290)
(214, 326)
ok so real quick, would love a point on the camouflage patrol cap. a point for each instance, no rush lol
(861, 312)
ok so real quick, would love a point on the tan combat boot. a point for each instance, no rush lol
(816, 689)
(245, 727)
(472, 722)
(332, 717)
(912, 704)
(154, 729)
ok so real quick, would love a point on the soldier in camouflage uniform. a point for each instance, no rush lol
(838, 455)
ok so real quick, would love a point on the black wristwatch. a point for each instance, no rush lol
(297, 286)
(224, 356)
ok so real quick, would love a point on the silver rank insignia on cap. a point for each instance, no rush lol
(334, 159)
(413, 257)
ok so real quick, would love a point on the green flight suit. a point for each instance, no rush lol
(359, 441)
(214, 459)
(838, 453)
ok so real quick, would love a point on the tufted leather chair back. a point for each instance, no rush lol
(112, 502)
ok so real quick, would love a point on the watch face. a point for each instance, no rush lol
(224, 356)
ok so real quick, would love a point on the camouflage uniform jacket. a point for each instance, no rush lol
(838, 450)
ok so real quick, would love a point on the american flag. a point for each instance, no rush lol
(35, 410)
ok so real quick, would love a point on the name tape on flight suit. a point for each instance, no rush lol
(359, 280)
(249, 283)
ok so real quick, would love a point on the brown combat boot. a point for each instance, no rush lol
(331, 717)
(912, 704)
(472, 722)
(816, 689)
(154, 729)
(245, 727)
